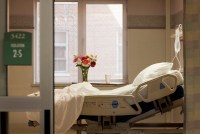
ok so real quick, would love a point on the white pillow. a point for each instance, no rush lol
(152, 71)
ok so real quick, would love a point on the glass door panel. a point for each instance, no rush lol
(20, 77)
(16, 100)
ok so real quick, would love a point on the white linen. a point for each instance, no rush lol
(67, 109)
(68, 105)
(69, 101)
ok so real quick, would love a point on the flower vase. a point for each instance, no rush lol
(84, 73)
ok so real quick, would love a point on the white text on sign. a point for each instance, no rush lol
(18, 36)
(17, 53)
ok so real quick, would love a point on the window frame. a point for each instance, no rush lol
(82, 36)
(124, 45)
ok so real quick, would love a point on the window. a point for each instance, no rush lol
(61, 47)
(66, 41)
(88, 28)
(104, 37)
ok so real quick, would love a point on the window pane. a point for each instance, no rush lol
(60, 52)
(60, 37)
(60, 66)
(104, 38)
(66, 41)
(60, 59)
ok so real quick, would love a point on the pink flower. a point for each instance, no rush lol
(75, 60)
(80, 57)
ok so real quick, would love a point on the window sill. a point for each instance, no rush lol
(111, 84)
(95, 84)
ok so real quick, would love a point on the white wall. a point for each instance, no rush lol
(145, 47)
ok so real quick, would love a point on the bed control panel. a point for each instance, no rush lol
(109, 105)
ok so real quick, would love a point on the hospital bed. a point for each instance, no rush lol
(120, 113)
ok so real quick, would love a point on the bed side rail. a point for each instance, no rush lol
(110, 105)
(156, 88)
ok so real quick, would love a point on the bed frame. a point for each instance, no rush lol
(120, 113)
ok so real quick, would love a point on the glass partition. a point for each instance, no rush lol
(19, 45)
(20, 77)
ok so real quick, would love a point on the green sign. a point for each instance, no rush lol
(18, 48)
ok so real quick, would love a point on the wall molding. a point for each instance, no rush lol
(145, 21)
(133, 21)
(18, 22)
(153, 21)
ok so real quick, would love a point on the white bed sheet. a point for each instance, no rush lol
(69, 101)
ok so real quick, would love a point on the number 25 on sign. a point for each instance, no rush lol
(17, 53)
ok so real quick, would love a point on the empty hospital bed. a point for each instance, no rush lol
(120, 113)
(119, 110)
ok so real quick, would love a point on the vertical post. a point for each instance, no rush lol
(46, 65)
(47, 120)
(168, 30)
(3, 25)
(4, 123)
(81, 37)
(168, 115)
(3, 69)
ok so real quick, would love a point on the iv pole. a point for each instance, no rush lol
(177, 44)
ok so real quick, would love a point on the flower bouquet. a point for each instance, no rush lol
(85, 62)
